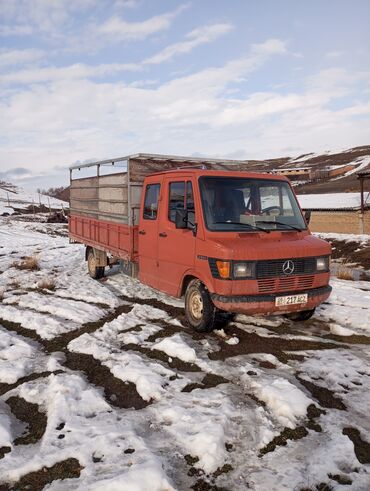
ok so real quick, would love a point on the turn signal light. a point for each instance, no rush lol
(223, 269)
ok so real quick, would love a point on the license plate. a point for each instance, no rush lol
(291, 300)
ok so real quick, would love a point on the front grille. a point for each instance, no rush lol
(285, 284)
(274, 268)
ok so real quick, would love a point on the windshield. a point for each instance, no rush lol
(241, 204)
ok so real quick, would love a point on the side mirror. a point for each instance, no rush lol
(181, 219)
(307, 215)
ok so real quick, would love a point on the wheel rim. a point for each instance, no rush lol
(196, 305)
(91, 263)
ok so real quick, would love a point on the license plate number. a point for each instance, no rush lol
(291, 300)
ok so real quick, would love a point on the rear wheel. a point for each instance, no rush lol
(95, 271)
(301, 316)
(199, 309)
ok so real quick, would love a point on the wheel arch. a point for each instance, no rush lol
(188, 277)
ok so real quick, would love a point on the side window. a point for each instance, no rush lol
(151, 202)
(190, 202)
(176, 199)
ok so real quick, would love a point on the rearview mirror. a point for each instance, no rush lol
(181, 219)
(307, 215)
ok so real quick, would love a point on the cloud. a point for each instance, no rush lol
(76, 71)
(26, 17)
(19, 56)
(118, 29)
(201, 35)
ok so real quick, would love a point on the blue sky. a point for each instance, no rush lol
(94, 79)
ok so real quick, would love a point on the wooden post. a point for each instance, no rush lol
(33, 207)
(8, 199)
(362, 194)
(40, 199)
(49, 206)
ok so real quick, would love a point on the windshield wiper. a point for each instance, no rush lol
(253, 227)
(279, 223)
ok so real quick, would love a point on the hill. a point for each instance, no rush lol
(14, 199)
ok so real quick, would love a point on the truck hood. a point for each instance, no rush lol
(275, 245)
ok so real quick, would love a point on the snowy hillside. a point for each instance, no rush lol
(13, 198)
(336, 201)
(103, 387)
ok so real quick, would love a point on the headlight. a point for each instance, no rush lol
(322, 263)
(243, 270)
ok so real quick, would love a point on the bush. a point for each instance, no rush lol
(31, 263)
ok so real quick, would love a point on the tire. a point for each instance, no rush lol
(300, 316)
(199, 309)
(94, 271)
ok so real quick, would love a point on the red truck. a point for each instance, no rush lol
(228, 240)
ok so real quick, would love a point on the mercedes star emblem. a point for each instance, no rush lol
(288, 267)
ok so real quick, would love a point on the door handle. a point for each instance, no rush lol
(142, 232)
(162, 234)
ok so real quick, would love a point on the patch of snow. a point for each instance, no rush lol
(284, 400)
(198, 422)
(75, 311)
(175, 346)
(340, 331)
(17, 357)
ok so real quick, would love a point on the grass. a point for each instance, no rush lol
(30, 263)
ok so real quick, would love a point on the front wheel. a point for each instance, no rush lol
(199, 309)
(301, 316)
(95, 271)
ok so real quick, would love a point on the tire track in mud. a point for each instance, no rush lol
(30, 414)
(281, 348)
(325, 396)
(37, 480)
(117, 393)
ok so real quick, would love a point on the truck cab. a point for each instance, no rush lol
(230, 242)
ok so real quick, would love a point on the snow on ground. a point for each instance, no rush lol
(331, 201)
(143, 403)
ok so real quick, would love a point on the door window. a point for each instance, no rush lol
(176, 199)
(151, 202)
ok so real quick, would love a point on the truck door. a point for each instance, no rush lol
(176, 247)
(148, 235)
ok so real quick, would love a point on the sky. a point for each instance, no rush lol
(83, 80)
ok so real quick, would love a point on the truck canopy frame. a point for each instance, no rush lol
(116, 197)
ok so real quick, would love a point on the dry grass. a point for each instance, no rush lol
(30, 262)
(344, 273)
(46, 284)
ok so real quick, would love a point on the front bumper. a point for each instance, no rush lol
(265, 304)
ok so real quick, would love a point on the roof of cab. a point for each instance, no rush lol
(223, 173)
